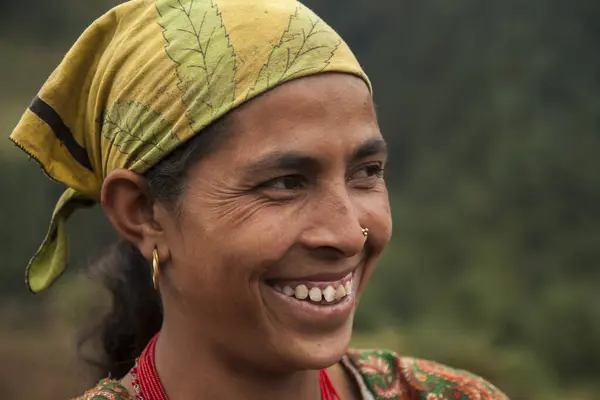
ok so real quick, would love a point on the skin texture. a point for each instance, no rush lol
(284, 197)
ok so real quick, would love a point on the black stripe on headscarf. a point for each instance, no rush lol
(47, 114)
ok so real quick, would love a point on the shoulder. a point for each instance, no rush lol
(107, 389)
(389, 376)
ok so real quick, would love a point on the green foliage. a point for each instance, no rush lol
(492, 111)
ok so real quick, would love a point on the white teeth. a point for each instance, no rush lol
(288, 291)
(340, 292)
(329, 294)
(315, 294)
(301, 292)
(348, 287)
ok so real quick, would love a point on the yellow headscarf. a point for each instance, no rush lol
(149, 75)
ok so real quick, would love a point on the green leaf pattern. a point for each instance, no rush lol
(198, 43)
(138, 131)
(300, 49)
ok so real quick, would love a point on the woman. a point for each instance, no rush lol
(234, 145)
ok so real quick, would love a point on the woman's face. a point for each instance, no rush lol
(267, 256)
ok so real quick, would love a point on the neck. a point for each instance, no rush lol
(186, 368)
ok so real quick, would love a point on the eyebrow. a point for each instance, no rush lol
(301, 161)
(371, 147)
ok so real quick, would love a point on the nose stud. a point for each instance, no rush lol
(365, 232)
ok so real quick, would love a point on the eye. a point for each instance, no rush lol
(289, 182)
(369, 170)
(367, 176)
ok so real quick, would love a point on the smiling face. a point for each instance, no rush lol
(267, 257)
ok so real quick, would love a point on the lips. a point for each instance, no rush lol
(323, 302)
(322, 277)
(304, 304)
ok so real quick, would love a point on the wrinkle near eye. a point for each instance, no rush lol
(241, 215)
(218, 202)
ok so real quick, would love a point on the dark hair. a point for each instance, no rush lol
(135, 313)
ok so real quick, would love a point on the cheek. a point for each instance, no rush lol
(234, 246)
(211, 281)
(219, 261)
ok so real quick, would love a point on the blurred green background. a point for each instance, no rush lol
(492, 111)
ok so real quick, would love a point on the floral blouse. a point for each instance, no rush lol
(380, 375)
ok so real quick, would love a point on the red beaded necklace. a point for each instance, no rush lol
(147, 386)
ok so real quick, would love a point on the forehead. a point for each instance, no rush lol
(326, 112)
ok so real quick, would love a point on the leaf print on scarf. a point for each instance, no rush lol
(137, 131)
(198, 43)
(300, 41)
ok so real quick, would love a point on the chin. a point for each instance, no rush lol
(315, 352)
(308, 332)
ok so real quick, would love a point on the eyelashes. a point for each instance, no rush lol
(363, 177)
(368, 171)
(368, 176)
(288, 182)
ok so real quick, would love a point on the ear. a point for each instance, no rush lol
(129, 206)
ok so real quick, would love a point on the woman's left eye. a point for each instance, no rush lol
(368, 174)
(368, 171)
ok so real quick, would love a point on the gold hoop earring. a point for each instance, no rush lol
(365, 232)
(155, 268)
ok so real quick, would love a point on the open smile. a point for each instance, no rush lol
(318, 292)
(322, 303)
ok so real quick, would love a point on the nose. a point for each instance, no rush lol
(334, 224)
